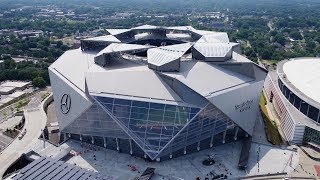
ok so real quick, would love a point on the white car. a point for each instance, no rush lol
(22, 134)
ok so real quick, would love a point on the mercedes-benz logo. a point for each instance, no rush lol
(65, 104)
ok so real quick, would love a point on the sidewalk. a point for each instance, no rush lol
(34, 122)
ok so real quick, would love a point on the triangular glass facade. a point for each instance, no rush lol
(209, 122)
(96, 122)
(151, 125)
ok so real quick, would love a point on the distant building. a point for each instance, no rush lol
(145, 92)
(9, 87)
(11, 98)
(17, 85)
(294, 92)
(26, 33)
(5, 90)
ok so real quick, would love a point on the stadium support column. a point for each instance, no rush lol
(117, 141)
(211, 141)
(104, 142)
(236, 133)
(224, 137)
(64, 136)
(130, 143)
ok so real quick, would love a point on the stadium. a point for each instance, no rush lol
(294, 92)
(156, 92)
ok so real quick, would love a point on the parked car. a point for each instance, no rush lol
(22, 134)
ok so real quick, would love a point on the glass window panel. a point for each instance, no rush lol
(304, 107)
(280, 84)
(297, 102)
(291, 98)
(156, 112)
(138, 127)
(191, 115)
(156, 130)
(124, 121)
(313, 113)
(140, 104)
(163, 143)
(154, 144)
(287, 91)
(165, 137)
(121, 108)
(108, 106)
(105, 100)
(155, 118)
(139, 116)
(168, 120)
(140, 134)
(205, 133)
(170, 108)
(194, 110)
(121, 114)
(206, 122)
(157, 106)
(122, 102)
(139, 110)
(170, 114)
(138, 122)
(183, 109)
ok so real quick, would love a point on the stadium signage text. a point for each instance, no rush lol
(243, 106)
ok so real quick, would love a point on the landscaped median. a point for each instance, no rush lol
(271, 127)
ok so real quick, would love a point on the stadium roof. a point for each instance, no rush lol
(121, 47)
(214, 49)
(304, 74)
(163, 55)
(83, 60)
(207, 79)
(107, 38)
(145, 27)
(129, 80)
(117, 31)
(101, 71)
(218, 37)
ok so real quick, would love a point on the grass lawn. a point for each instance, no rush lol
(271, 127)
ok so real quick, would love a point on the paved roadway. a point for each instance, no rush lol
(35, 121)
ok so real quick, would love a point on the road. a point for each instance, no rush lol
(34, 121)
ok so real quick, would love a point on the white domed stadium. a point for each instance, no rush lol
(156, 92)
(294, 91)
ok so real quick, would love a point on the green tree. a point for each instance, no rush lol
(296, 35)
(9, 64)
(279, 38)
(266, 54)
(39, 82)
